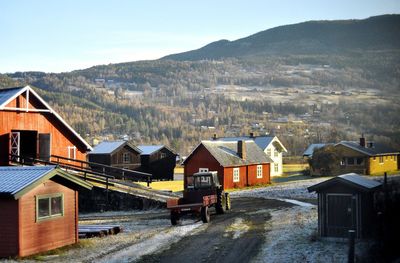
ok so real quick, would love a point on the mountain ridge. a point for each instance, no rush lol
(310, 37)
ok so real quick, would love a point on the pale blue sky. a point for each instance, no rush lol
(55, 36)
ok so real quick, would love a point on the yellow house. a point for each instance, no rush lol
(366, 158)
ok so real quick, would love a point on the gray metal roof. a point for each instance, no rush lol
(376, 149)
(6, 94)
(149, 149)
(15, 178)
(351, 179)
(312, 147)
(226, 153)
(261, 141)
(107, 147)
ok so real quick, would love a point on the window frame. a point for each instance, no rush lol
(276, 168)
(51, 215)
(203, 170)
(236, 175)
(126, 157)
(73, 148)
(269, 152)
(259, 171)
(276, 153)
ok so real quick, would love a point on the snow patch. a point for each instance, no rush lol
(238, 228)
(161, 240)
(299, 203)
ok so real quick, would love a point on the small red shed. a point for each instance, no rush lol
(238, 163)
(29, 127)
(39, 209)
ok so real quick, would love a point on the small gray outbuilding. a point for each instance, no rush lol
(346, 202)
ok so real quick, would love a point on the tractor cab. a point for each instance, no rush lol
(203, 180)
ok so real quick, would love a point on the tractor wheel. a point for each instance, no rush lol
(227, 201)
(205, 214)
(221, 204)
(175, 218)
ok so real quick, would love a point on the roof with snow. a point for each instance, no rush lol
(226, 153)
(108, 147)
(149, 149)
(350, 179)
(15, 181)
(8, 95)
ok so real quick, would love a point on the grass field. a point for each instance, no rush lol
(287, 168)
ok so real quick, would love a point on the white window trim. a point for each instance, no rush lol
(236, 175)
(69, 152)
(203, 170)
(276, 168)
(259, 171)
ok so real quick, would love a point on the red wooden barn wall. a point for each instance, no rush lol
(45, 122)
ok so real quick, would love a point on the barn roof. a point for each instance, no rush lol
(312, 147)
(7, 95)
(350, 179)
(15, 181)
(108, 147)
(226, 153)
(262, 141)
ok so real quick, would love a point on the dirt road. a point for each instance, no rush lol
(236, 236)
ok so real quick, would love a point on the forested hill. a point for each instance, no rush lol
(313, 37)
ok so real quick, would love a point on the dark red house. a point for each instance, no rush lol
(29, 127)
(39, 209)
(238, 163)
(158, 160)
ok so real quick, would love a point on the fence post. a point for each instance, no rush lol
(350, 258)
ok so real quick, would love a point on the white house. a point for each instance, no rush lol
(272, 147)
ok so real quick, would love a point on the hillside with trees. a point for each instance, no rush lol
(301, 97)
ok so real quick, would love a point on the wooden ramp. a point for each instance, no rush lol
(88, 231)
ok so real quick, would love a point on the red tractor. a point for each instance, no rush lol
(202, 192)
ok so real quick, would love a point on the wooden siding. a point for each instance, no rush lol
(61, 137)
(117, 159)
(48, 234)
(8, 227)
(390, 163)
(247, 174)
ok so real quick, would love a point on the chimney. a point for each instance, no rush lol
(362, 141)
(241, 149)
(251, 135)
(214, 137)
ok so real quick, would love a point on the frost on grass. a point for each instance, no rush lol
(291, 237)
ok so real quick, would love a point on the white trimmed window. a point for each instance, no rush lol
(236, 175)
(203, 170)
(276, 153)
(269, 152)
(49, 206)
(259, 171)
(276, 167)
(71, 152)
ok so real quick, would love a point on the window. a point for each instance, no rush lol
(49, 206)
(276, 153)
(163, 155)
(350, 161)
(380, 159)
(276, 167)
(71, 152)
(203, 170)
(126, 157)
(259, 171)
(269, 152)
(236, 175)
(360, 160)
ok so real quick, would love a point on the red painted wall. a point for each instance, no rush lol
(8, 227)
(61, 137)
(201, 158)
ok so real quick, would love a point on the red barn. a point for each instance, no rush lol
(39, 209)
(29, 127)
(238, 163)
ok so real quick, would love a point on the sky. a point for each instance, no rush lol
(60, 36)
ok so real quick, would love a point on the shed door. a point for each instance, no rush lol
(341, 214)
(44, 146)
